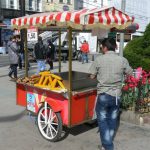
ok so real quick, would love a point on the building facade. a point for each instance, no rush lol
(11, 9)
(93, 3)
(31, 5)
(58, 5)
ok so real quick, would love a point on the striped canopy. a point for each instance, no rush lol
(106, 17)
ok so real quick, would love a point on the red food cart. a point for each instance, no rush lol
(76, 105)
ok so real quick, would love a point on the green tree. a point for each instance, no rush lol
(137, 51)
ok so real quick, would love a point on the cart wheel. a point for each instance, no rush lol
(51, 128)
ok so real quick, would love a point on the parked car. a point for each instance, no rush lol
(65, 51)
(3, 50)
(54, 37)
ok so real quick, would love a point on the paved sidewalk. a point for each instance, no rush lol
(18, 131)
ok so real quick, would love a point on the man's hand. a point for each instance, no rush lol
(92, 76)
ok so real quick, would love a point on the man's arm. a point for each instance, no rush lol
(14, 47)
(93, 70)
(127, 69)
(34, 51)
(92, 76)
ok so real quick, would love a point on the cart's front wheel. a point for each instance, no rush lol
(49, 124)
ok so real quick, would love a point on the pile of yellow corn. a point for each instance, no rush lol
(50, 81)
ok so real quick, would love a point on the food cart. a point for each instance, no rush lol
(74, 104)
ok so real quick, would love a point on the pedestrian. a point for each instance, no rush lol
(85, 50)
(40, 55)
(109, 69)
(13, 57)
(21, 59)
(20, 52)
(50, 54)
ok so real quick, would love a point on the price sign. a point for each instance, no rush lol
(32, 34)
(31, 102)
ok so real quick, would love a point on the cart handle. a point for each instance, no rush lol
(84, 91)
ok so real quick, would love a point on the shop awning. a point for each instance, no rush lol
(106, 17)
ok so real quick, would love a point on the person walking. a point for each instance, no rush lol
(85, 50)
(13, 57)
(21, 59)
(50, 54)
(20, 52)
(40, 55)
(109, 70)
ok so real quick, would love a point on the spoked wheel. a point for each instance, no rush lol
(49, 123)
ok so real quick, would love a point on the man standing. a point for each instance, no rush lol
(40, 54)
(20, 52)
(50, 54)
(85, 51)
(109, 70)
(13, 57)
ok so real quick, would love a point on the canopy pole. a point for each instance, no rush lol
(121, 45)
(59, 56)
(70, 74)
(26, 52)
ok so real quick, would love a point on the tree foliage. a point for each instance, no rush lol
(137, 51)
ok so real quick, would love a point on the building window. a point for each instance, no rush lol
(38, 5)
(60, 1)
(49, 1)
(69, 2)
(30, 5)
(11, 4)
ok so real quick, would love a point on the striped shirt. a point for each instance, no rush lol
(109, 70)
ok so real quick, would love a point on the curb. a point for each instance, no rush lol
(138, 119)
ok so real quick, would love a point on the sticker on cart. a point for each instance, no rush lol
(31, 101)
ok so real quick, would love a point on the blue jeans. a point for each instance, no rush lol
(84, 57)
(41, 65)
(107, 111)
(21, 60)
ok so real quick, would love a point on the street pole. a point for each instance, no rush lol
(121, 45)
(1, 21)
(23, 33)
(59, 56)
(70, 75)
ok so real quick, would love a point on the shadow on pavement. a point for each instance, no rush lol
(77, 130)
(13, 117)
(82, 128)
(6, 75)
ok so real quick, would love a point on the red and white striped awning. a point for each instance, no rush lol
(106, 17)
